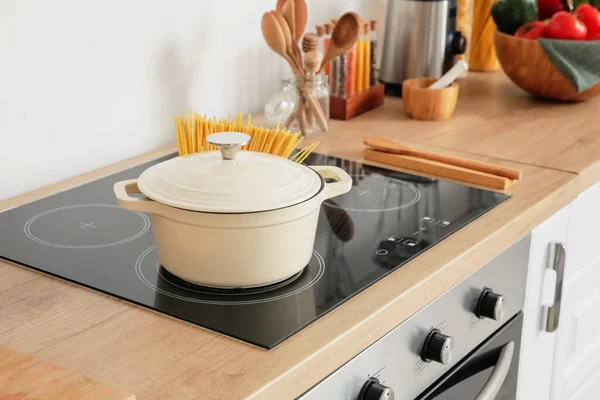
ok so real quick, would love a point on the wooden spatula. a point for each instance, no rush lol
(390, 146)
(440, 169)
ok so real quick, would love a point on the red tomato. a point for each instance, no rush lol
(593, 36)
(547, 8)
(531, 30)
(590, 16)
(565, 26)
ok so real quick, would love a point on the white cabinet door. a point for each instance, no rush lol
(577, 348)
(537, 355)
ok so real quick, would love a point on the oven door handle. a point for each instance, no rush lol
(496, 380)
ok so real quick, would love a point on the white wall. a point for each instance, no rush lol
(86, 83)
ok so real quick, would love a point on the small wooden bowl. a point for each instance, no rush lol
(526, 64)
(426, 104)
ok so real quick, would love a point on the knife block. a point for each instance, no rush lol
(345, 108)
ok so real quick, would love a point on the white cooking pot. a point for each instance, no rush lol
(232, 219)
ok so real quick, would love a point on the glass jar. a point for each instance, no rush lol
(285, 107)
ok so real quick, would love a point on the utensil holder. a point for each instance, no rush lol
(345, 108)
(428, 104)
(319, 89)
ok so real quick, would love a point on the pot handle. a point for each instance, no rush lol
(343, 184)
(122, 190)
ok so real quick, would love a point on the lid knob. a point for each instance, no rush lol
(228, 143)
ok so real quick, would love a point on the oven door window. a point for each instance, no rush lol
(488, 373)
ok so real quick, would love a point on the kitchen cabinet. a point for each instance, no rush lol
(576, 373)
(537, 355)
(564, 364)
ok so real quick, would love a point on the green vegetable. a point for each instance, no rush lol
(595, 3)
(510, 15)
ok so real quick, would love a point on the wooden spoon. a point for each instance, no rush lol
(280, 4)
(390, 146)
(344, 35)
(288, 39)
(289, 14)
(299, 11)
(275, 39)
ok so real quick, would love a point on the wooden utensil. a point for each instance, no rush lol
(290, 15)
(390, 146)
(302, 119)
(294, 54)
(423, 103)
(296, 13)
(311, 64)
(309, 42)
(289, 43)
(316, 109)
(344, 35)
(440, 169)
(275, 38)
(280, 4)
(301, 14)
(288, 12)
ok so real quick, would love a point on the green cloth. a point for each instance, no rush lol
(578, 61)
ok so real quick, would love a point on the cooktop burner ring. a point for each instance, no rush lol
(414, 200)
(183, 284)
(238, 301)
(32, 236)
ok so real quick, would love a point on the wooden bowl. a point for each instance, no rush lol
(526, 64)
(426, 104)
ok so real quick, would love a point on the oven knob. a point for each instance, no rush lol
(373, 390)
(437, 347)
(490, 305)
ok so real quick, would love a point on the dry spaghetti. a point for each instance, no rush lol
(193, 129)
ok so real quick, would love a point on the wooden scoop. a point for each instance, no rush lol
(344, 35)
(390, 146)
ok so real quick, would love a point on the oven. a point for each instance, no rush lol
(465, 345)
(489, 373)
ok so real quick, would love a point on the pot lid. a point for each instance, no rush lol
(229, 181)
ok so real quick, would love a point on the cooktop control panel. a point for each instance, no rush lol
(402, 364)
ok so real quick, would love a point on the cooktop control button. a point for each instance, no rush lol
(396, 239)
(490, 305)
(373, 390)
(437, 347)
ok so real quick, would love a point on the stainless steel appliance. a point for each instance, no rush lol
(464, 345)
(420, 40)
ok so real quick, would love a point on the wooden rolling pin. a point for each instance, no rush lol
(440, 169)
(390, 146)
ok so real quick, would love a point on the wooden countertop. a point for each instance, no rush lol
(495, 118)
(24, 377)
(155, 357)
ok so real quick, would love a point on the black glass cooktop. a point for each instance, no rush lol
(385, 220)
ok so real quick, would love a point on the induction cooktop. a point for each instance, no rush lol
(387, 219)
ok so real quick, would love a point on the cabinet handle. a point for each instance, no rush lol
(558, 265)
(495, 381)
